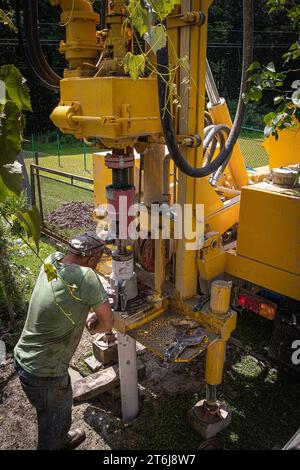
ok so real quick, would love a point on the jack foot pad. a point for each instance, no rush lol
(207, 420)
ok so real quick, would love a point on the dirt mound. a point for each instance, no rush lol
(72, 215)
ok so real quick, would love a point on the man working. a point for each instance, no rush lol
(57, 314)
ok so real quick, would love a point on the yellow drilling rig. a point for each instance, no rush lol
(175, 294)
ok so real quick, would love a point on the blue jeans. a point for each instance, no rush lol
(52, 399)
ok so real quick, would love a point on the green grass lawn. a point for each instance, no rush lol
(56, 193)
(253, 152)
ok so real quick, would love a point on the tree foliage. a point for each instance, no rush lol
(265, 77)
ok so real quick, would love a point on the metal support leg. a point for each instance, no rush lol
(128, 377)
(208, 417)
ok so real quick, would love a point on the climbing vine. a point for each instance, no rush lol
(146, 19)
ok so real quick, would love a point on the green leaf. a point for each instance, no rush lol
(271, 67)
(11, 128)
(157, 38)
(31, 222)
(254, 66)
(163, 7)
(50, 271)
(296, 98)
(6, 19)
(269, 117)
(16, 87)
(139, 16)
(268, 130)
(278, 99)
(10, 132)
(184, 62)
(255, 94)
(134, 64)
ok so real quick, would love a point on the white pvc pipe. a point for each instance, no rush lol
(128, 377)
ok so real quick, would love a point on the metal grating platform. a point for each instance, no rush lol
(158, 334)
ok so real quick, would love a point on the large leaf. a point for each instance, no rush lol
(31, 222)
(50, 272)
(6, 19)
(157, 37)
(138, 16)
(296, 98)
(134, 64)
(163, 7)
(11, 126)
(11, 181)
(16, 87)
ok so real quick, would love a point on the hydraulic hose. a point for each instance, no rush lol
(32, 49)
(211, 133)
(165, 111)
(34, 42)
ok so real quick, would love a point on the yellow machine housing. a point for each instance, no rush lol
(111, 108)
(285, 150)
(269, 226)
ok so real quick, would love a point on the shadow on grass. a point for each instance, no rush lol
(254, 331)
(264, 403)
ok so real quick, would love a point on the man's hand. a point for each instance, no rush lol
(101, 320)
(92, 323)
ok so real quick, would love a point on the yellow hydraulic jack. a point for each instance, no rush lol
(208, 417)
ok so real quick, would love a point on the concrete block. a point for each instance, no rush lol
(208, 421)
(100, 382)
(105, 353)
(93, 363)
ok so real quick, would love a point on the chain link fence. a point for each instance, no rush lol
(250, 141)
(59, 151)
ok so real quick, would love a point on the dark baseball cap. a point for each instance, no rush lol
(88, 244)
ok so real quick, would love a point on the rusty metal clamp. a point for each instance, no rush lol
(182, 341)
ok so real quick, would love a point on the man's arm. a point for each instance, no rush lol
(101, 320)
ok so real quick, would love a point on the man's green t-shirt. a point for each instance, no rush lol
(56, 317)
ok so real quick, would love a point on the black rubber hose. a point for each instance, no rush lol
(24, 49)
(102, 14)
(165, 110)
(32, 33)
(29, 49)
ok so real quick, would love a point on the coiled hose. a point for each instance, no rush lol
(165, 111)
